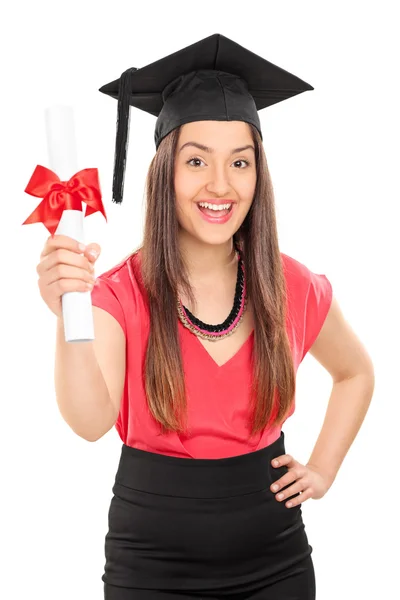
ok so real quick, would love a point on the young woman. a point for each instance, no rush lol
(199, 334)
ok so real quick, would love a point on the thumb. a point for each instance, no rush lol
(92, 251)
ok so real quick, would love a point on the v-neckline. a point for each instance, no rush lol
(208, 356)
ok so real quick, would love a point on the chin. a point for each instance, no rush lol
(211, 239)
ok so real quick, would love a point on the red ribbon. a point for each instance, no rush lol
(60, 195)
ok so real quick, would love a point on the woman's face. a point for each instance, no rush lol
(220, 169)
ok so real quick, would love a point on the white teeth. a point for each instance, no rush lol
(215, 206)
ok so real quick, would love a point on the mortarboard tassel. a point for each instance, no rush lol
(121, 143)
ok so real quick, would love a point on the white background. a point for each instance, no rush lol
(333, 156)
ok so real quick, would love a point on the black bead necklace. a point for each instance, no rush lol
(216, 332)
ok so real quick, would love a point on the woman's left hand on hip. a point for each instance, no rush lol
(306, 479)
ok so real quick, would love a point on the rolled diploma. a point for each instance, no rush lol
(60, 133)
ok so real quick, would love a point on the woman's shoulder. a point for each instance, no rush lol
(124, 281)
(119, 289)
(126, 269)
(294, 269)
(306, 288)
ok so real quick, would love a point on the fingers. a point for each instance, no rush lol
(294, 473)
(295, 476)
(63, 271)
(61, 249)
(65, 265)
(283, 459)
(287, 479)
(60, 241)
(62, 256)
(298, 487)
(299, 491)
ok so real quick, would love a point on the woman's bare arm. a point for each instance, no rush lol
(90, 376)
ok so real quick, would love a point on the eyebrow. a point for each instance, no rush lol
(211, 150)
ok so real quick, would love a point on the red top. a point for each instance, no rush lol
(218, 396)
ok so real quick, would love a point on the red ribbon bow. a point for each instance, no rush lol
(60, 195)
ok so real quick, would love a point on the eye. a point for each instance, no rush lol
(199, 159)
(242, 161)
(192, 159)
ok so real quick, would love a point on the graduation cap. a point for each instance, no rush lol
(213, 79)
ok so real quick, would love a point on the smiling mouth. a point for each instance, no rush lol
(212, 212)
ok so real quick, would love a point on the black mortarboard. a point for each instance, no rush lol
(214, 79)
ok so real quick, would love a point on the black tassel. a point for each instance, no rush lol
(122, 139)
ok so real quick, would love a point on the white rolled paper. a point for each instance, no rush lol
(61, 143)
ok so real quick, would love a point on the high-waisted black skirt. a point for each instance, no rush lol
(204, 528)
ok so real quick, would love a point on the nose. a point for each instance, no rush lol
(219, 182)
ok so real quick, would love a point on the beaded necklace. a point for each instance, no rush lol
(217, 332)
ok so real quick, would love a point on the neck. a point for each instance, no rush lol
(207, 262)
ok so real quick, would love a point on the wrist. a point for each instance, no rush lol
(327, 475)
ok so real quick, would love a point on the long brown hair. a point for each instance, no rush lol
(164, 272)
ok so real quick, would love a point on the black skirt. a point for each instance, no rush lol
(205, 528)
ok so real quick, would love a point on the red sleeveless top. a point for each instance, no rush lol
(218, 396)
